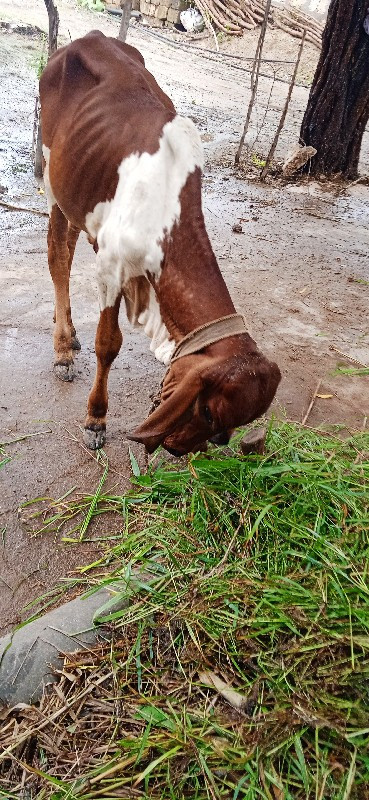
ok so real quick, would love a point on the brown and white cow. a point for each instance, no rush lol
(121, 165)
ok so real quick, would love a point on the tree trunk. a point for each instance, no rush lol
(126, 6)
(338, 105)
(53, 25)
(53, 15)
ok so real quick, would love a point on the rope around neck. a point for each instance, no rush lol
(211, 332)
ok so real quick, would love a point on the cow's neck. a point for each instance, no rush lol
(191, 290)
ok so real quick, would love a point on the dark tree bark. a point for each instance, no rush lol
(338, 105)
(53, 25)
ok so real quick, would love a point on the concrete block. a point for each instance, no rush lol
(29, 656)
(178, 5)
(147, 8)
(161, 12)
(173, 15)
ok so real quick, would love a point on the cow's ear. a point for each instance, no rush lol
(170, 413)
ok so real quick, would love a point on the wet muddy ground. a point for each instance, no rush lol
(299, 271)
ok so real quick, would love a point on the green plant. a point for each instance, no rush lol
(4, 458)
(256, 161)
(92, 5)
(39, 60)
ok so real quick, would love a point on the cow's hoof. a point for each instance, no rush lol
(94, 438)
(76, 344)
(65, 372)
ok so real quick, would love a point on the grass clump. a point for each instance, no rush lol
(4, 458)
(239, 668)
(92, 5)
(352, 371)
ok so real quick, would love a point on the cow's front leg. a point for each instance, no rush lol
(58, 257)
(107, 345)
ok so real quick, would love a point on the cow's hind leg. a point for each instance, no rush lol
(73, 234)
(58, 257)
(107, 345)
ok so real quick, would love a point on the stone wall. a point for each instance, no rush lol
(158, 12)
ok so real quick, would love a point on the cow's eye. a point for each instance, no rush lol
(208, 415)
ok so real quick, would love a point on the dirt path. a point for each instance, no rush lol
(293, 272)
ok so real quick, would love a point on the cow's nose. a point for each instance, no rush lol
(173, 452)
(220, 438)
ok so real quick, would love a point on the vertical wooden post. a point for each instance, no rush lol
(284, 112)
(254, 79)
(126, 6)
(53, 15)
(53, 25)
(37, 170)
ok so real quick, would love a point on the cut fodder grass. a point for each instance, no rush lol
(352, 372)
(240, 667)
(4, 458)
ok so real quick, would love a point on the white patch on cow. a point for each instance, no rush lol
(154, 327)
(131, 227)
(48, 190)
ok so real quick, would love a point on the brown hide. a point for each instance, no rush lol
(99, 106)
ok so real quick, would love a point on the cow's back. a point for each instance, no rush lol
(99, 105)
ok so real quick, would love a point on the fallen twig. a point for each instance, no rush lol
(311, 404)
(26, 436)
(349, 358)
(353, 183)
(24, 736)
(10, 207)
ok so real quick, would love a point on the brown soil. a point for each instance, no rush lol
(293, 272)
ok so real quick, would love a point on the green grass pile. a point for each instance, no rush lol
(251, 571)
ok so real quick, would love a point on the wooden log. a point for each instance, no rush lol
(126, 6)
(254, 80)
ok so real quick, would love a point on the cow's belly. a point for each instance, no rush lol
(130, 229)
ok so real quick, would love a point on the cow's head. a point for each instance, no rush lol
(205, 397)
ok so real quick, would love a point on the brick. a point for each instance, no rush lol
(173, 15)
(178, 5)
(161, 12)
(147, 8)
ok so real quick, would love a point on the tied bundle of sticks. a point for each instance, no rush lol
(295, 22)
(236, 16)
